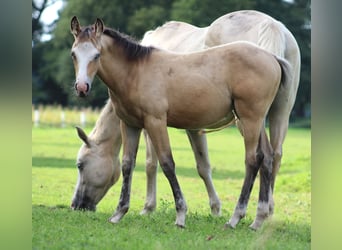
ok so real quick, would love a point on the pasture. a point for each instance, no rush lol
(55, 226)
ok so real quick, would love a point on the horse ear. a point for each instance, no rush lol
(75, 26)
(82, 135)
(99, 27)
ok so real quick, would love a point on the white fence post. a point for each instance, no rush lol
(36, 118)
(63, 119)
(83, 119)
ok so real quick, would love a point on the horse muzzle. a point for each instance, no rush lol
(82, 89)
(83, 207)
(84, 204)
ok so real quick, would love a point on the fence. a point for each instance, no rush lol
(63, 117)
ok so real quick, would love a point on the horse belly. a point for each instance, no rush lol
(196, 113)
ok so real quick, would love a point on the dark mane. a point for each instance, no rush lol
(133, 50)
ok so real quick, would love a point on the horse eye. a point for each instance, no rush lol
(73, 56)
(97, 56)
(80, 165)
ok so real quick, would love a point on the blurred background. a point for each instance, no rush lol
(52, 69)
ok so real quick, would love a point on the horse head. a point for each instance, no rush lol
(85, 53)
(97, 172)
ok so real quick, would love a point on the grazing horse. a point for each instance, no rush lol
(153, 88)
(98, 160)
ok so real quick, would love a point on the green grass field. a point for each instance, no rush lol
(55, 226)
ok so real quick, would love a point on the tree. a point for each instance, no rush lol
(38, 8)
(202, 13)
(44, 88)
(146, 18)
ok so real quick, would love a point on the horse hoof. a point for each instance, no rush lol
(234, 220)
(180, 225)
(115, 219)
(146, 211)
(180, 222)
(255, 226)
(229, 225)
(216, 211)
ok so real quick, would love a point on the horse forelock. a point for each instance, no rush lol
(132, 49)
(87, 34)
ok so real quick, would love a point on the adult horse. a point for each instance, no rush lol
(253, 26)
(246, 25)
(151, 89)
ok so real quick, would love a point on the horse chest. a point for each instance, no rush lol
(127, 111)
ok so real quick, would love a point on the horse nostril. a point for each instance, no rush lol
(82, 89)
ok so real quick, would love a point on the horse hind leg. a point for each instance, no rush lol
(200, 149)
(277, 136)
(265, 192)
(151, 174)
(278, 122)
(253, 159)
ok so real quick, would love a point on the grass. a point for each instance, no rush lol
(55, 226)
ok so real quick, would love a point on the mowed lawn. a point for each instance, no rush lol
(54, 175)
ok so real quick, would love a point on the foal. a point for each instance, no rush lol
(152, 89)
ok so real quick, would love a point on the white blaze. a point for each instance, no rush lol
(85, 53)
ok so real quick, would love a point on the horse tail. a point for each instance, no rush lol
(286, 71)
(271, 37)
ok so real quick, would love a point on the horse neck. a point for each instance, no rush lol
(114, 68)
(106, 132)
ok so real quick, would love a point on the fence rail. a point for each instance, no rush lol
(63, 117)
(53, 115)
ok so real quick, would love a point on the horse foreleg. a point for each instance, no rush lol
(253, 160)
(157, 130)
(151, 174)
(199, 147)
(265, 192)
(130, 139)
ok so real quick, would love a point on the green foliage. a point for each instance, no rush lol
(53, 73)
(146, 18)
(55, 226)
(202, 13)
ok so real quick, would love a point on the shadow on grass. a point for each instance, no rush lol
(56, 207)
(52, 162)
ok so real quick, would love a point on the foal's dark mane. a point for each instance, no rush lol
(133, 50)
